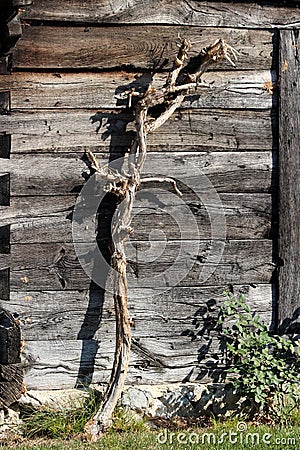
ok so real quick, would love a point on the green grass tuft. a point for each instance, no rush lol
(59, 423)
(52, 423)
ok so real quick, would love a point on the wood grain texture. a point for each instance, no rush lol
(55, 266)
(4, 263)
(25, 208)
(10, 338)
(4, 239)
(57, 364)
(62, 100)
(289, 175)
(11, 372)
(133, 47)
(76, 315)
(93, 359)
(178, 320)
(11, 384)
(61, 174)
(204, 13)
(4, 102)
(104, 130)
(248, 216)
(33, 91)
(4, 283)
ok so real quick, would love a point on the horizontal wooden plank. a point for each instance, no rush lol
(85, 315)
(57, 228)
(54, 266)
(61, 364)
(206, 13)
(190, 130)
(24, 208)
(168, 261)
(248, 216)
(136, 47)
(32, 91)
(61, 174)
(4, 263)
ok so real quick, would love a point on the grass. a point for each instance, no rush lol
(55, 424)
(65, 423)
(49, 429)
(255, 437)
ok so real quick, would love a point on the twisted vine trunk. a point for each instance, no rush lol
(121, 228)
(125, 187)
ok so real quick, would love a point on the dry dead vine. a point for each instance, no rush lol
(125, 184)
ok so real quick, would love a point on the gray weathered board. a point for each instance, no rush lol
(61, 173)
(205, 13)
(39, 266)
(138, 47)
(247, 215)
(69, 71)
(231, 89)
(171, 334)
(188, 130)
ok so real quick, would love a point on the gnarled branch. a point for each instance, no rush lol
(125, 186)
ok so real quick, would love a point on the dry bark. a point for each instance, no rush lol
(125, 185)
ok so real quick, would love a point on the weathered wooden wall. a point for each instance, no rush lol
(72, 60)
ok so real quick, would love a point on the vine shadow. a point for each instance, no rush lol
(117, 130)
(207, 330)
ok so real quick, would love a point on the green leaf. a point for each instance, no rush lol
(230, 347)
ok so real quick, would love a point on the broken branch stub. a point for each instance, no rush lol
(125, 187)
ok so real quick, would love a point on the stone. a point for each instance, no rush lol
(9, 421)
(60, 399)
(135, 399)
(2, 417)
(165, 401)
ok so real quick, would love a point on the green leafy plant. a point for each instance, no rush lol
(263, 367)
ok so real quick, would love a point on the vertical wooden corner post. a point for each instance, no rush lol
(11, 370)
(289, 182)
(178, 84)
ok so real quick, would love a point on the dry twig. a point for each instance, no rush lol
(125, 186)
